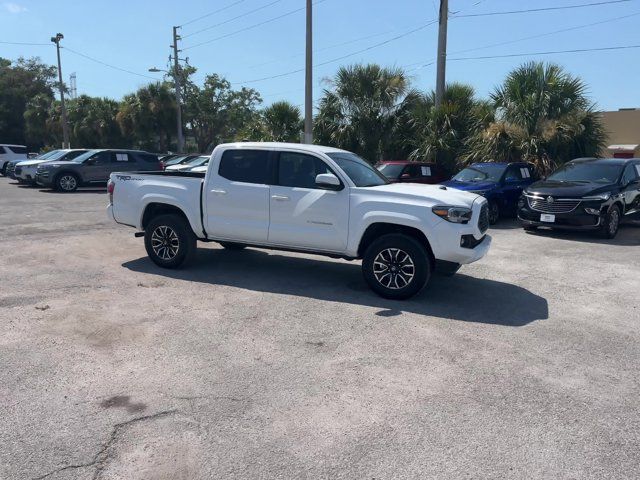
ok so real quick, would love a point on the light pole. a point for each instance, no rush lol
(65, 126)
(180, 137)
(308, 87)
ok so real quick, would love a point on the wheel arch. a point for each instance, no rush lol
(155, 209)
(378, 229)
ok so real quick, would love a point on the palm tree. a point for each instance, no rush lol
(279, 122)
(441, 133)
(544, 116)
(362, 110)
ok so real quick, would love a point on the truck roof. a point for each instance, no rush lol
(297, 146)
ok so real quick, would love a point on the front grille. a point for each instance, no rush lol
(18, 170)
(556, 205)
(483, 219)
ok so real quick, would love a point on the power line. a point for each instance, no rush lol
(371, 47)
(545, 9)
(231, 19)
(528, 54)
(108, 65)
(24, 43)
(211, 13)
(251, 26)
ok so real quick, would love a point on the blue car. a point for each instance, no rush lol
(500, 183)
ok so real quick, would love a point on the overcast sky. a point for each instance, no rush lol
(135, 35)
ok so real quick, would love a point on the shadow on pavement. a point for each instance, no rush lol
(460, 297)
(628, 235)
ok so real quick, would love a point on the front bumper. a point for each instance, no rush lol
(27, 174)
(576, 220)
(44, 178)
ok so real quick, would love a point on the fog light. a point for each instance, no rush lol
(592, 211)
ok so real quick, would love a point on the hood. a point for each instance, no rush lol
(467, 186)
(420, 191)
(568, 189)
(29, 163)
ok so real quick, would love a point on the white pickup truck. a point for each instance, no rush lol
(305, 198)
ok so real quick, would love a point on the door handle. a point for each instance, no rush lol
(219, 192)
(280, 198)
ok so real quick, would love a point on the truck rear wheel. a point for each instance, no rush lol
(170, 242)
(396, 266)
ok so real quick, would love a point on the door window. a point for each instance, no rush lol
(2, 150)
(412, 170)
(300, 170)
(425, 170)
(19, 150)
(121, 157)
(101, 158)
(516, 174)
(248, 166)
(630, 174)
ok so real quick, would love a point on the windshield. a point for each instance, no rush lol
(57, 155)
(85, 156)
(587, 172)
(485, 172)
(358, 170)
(197, 161)
(391, 170)
(47, 155)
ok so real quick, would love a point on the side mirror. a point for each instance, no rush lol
(328, 181)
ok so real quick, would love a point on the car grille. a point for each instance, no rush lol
(557, 205)
(483, 219)
(18, 170)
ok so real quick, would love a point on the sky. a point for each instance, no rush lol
(135, 35)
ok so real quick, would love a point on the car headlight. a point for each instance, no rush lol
(603, 196)
(453, 214)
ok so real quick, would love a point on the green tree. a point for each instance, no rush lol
(279, 122)
(148, 117)
(36, 119)
(363, 109)
(21, 82)
(441, 134)
(543, 116)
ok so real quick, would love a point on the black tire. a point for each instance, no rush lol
(170, 242)
(66, 182)
(4, 170)
(494, 213)
(387, 251)
(611, 223)
(233, 246)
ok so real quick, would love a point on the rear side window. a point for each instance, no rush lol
(2, 150)
(148, 158)
(248, 166)
(300, 170)
(19, 150)
(121, 157)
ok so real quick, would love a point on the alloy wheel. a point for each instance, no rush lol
(393, 268)
(165, 242)
(68, 183)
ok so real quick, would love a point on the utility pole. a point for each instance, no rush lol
(308, 90)
(176, 78)
(65, 126)
(442, 52)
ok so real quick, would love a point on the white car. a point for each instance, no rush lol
(305, 198)
(187, 166)
(26, 171)
(9, 153)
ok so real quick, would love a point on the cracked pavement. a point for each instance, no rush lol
(260, 364)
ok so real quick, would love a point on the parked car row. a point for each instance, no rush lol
(66, 170)
(584, 194)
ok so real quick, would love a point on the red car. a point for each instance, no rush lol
(412, 172)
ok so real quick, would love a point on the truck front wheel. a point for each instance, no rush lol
(396, 266)
(169, 241)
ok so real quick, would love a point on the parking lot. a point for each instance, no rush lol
(258, 364)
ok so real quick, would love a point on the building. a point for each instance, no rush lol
(623, 129)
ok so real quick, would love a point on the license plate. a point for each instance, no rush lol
(547, 218)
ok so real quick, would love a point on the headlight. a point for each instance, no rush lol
(603, 196)
(453, 214)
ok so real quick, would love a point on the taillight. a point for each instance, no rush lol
(111, 188)
(162, 166)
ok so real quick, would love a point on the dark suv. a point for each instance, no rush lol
(412, 172)
(585, 194)
(93, 168)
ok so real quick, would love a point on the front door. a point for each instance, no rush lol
(631, 191)
(516, 179)
(237, 196)
(303, 215)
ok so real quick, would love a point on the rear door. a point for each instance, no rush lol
(237, 196)
(96, 169)
(304, 215)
